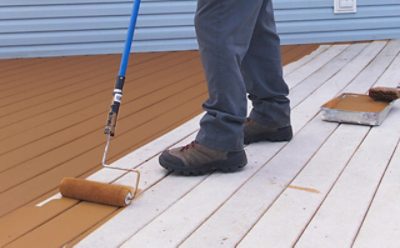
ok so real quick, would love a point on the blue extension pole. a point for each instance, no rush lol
(119, 84)
(129, 38)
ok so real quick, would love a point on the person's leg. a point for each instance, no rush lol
(262, 71)
(224, 30)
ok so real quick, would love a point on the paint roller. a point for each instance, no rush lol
(103, 193)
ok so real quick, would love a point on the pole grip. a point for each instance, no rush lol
(114, 108)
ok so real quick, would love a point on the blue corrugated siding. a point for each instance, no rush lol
(65, 27)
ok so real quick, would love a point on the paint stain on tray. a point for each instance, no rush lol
(357, 103)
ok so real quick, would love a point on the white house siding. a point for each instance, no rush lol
(69, 27)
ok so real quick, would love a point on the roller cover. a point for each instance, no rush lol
(85, 190)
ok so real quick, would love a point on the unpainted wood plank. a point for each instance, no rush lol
(286, 218)
(157, 165)
(165, 231)
(299, 75)
(381, 225)
(325, 73)
(128, 231)
(282, 224)
(370, 76)
(342, 79)
(288, 69)
(220, 187)
(278, 179)
(349, 200)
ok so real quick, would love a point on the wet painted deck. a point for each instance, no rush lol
(51, 120)
(331, 186)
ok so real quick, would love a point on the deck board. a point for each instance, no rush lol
(53, 129)
(283, 166)
(379, 228)
(351, 197)
(294, 208)
(131, 227)
(297, 192)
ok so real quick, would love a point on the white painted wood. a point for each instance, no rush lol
(230, 215)
(195, 207)
(288, 69)
(381, 227)
(375, 69)
(338, 82)
(313, 82)
(182, 212)
(120, 228)
(241, 208)
(299, 75)
(340, 216)
(153, 148)
(286, 218)
(294, 208)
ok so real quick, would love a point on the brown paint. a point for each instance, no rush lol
(356, 103)
(43, 113)
(76, 153)
(310, 190)
(46, 141)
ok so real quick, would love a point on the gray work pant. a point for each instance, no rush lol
(240, 52)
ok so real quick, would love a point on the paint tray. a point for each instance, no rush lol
(355, 109)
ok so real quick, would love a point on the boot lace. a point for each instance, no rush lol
(189, 146)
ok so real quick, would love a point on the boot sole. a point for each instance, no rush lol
(227, 166)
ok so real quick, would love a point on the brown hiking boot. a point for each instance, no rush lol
(195, 159)
(255, 132)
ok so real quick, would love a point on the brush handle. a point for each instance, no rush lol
(386, 94)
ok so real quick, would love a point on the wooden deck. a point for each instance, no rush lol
(51, 120)
(331, 186)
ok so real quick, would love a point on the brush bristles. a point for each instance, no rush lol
(384, 94)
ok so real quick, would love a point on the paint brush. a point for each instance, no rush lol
(385, 94)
